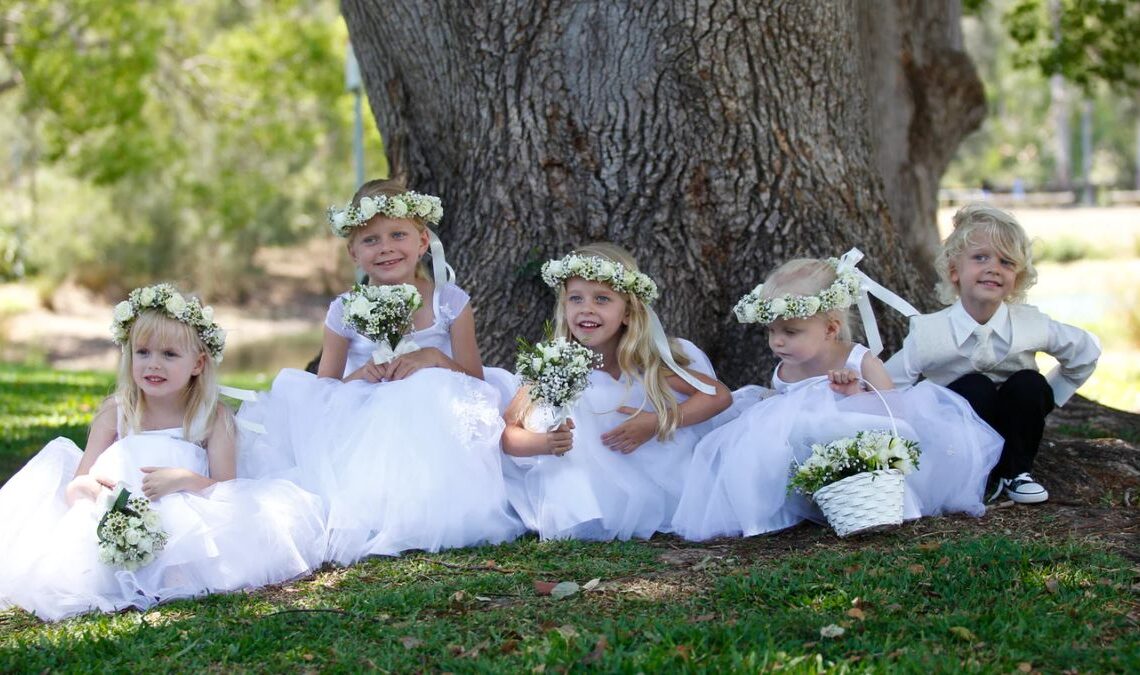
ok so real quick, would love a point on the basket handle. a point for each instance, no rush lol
(890, 413)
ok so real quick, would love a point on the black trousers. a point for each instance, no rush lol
(1016, 409)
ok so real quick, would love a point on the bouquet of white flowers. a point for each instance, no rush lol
(130, 532)
(557, 372)
(857, 482)
(383, 314)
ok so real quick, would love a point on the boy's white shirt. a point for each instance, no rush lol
(1075, 349)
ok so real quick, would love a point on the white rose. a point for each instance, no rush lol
(751, 314)
(132, 537)
(147, 296)
(176, 304)
(152, 521)
(555, 269)
(777, 306)
(339, 220)
(576, 266)
(423, 208)
(436, 213)
(812, 304)
(360, 306)
(536, 364)
(397, 208)
(123, 311)
(842, 299)
(208, 313)
(146, 545)
(368, 207)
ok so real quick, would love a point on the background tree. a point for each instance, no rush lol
(716, 140)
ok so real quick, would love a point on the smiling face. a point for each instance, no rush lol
(388, 249)
(164, 360)
(984, 277)
(596, 314)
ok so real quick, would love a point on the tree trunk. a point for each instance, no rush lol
(714, 140)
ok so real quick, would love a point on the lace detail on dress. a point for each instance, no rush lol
(474, 413)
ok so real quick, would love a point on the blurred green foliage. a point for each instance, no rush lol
(170, 140)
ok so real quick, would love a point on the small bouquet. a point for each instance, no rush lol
(383, 314)
(557, 372)
(857, 482)
(130, 532)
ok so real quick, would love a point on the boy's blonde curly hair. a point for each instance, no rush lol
(974, 221)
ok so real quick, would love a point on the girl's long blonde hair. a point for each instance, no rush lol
(201, 395)
(807, 276)
(637, 355)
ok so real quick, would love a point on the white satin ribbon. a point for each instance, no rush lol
(440, 270)
(242, 395)
(384, 352)
(657, 333)
(868, 286)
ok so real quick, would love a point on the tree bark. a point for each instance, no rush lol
(714, 140)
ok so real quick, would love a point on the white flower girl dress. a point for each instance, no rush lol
(234, 534)
(737, 483)
(595, 493)
(409, 464)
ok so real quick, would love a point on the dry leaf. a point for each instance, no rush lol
(701, 618)
(567, 631)
(916, 569)
(831, 631)
(1025, 667)
(1052, 585)
(856, 613)
(944, 561)
(598, 652)
(591, 584)
(684, 651)
(563, 590)
(509, 647)
(410, 642)
(544, 587)
(929, 546)
(963, 633)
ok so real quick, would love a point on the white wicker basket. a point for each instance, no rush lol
(870, 500)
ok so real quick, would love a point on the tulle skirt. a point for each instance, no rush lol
(235, 534)
(737, 483)
(410, 464)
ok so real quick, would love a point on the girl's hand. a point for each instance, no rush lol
(632, 433)
(159, 481)
(369, 372)
(561, 440)
(845, 381)
(86, 487)
(403, 366)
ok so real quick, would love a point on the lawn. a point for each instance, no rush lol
(1019, 589)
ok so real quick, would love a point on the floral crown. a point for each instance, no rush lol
(166, 299)
(404, 205)
(753, 308)
(593, 268)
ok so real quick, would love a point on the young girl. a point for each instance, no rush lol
(984, 345)
(406, 453)
(614, 470)
(737, 484)
(164, 435)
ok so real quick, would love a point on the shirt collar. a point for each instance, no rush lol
(963, 325)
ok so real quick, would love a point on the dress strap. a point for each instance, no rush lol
(855, 358)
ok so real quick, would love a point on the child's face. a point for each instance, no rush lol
(800, 341)
(595, 313)
(162, 368)
(983, 276)
(388, 249)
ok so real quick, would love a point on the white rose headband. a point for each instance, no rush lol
(405, 205)
(166, 299)
(622, 280)
(851, 286)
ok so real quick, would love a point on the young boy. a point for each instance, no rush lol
(983, 346)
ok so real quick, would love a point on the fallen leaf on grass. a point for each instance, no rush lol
(544, 587)
(563, 590)
(598, 652)
(410, 642)
(1052, 585)
(567, 631)
(591, 584)
(930, 546)
(831, 631)
(1025, 667)
(944, 561)
(856, 613)
(701, 618)
(509, 647)
(916, 569)
(963, 633)
(684, 651)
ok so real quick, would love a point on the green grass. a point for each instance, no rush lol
(959, 597)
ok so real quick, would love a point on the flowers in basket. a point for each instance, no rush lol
(383, 314)
(858, 482)
(557, 372)
(130, 532)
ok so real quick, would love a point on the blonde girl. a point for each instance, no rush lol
(405, 451)
(737, 484)
(163, 435)
(614, 470)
